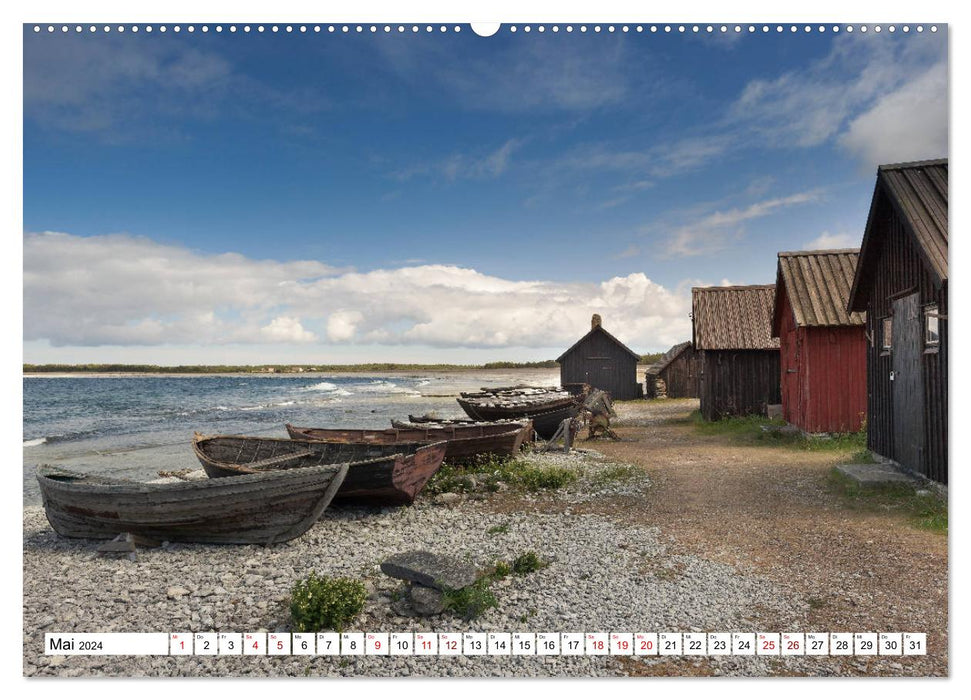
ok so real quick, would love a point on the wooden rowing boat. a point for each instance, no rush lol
(377, 474)
(261, 508)
(463, 441)
(546, 417)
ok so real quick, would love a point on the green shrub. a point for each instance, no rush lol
(538, 479)
(488, 471)
(319, 603)
(527, 563)
(501, 570)
(471, 601)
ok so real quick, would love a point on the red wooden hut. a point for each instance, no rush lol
(823, 363)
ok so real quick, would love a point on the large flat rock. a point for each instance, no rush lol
(875, 474)
(430, 569)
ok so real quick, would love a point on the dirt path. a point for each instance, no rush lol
(770, 509)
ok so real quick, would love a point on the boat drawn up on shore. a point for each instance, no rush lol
(547, 408)
(463, 441)
(378, 474)
(259, 508)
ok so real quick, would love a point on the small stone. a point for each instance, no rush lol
(426, 601)
(176, 591)
(56, 660)
(447, 499)
(430, 569)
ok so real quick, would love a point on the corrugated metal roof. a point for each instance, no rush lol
(817, 283)
(733, 318)
(919, 190)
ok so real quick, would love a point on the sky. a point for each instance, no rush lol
(250, 198)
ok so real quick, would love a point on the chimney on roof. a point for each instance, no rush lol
(595, 321)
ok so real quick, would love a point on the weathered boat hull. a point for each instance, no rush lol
(463, 441)
(378, 474)
(260, 508)
(546, 417)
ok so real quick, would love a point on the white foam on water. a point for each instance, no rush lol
(321, 386)
(35, 442)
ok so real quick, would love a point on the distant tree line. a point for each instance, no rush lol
(651, 358)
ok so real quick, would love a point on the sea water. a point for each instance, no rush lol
(133, 426)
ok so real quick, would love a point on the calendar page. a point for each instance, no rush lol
(549, 348)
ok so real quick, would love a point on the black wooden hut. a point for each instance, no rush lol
(603, 362)
(677, 374)
(732, 329)
(901, 284)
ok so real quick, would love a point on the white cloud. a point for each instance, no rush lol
(121, 290)
(714, 231)
(286, 329)
(342, 325)
(827, 241)
(463, 166)
(908, 124)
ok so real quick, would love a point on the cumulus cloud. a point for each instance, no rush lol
(286, 329)
(827, 240)
(125, 290)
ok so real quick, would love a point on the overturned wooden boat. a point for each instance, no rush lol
(378, 474)
(259, 508)
(463, 441)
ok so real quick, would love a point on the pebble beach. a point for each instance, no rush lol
(600, 576)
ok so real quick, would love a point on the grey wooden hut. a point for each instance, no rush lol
(603, 362)
(901, 284)
(677, 374)
(732, 329)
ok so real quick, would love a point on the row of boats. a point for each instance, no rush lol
(265, 490)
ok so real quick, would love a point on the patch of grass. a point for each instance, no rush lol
(816, 603)
(771, 431)
(841, 442)
(543, 479)
(487, 472)
(498, 529)
(925, 509)
(615, 472)
(320, 602)
(527, 563)
(501, 570)
(470, 602)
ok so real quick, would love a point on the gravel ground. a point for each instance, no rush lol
(607, 572)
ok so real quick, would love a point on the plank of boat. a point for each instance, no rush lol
(463, 441)
(379, 473)
(261, 508)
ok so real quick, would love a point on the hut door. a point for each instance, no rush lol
(907, 385)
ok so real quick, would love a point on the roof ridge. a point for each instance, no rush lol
(913, 164)
(733, 287)
(824, 251)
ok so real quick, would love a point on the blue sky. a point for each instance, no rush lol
(232, 197)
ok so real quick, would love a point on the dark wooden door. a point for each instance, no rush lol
(600, 373)
(907, 385)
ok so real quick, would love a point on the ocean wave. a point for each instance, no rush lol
(380, 386)
(321, 386)
(35, 442)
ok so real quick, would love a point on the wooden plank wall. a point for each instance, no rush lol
(617, 374)
(683, 375)
(739, 382)
(898, 271)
